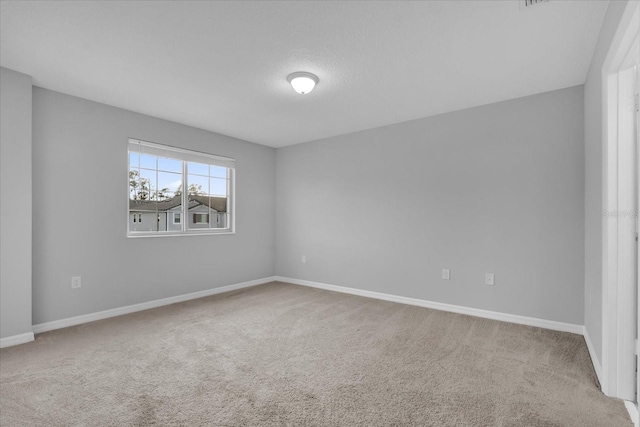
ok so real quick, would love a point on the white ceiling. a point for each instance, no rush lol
(222, 66)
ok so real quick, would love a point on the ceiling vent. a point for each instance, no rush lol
(527, 4)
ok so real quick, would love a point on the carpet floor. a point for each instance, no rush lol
(285, 355)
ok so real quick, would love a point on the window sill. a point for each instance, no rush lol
(155, 235)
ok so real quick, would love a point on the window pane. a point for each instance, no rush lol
(143, 215)
(147, 161)
(169, 182)
(218, 171)
(141, 184)
(167, 210)
(198, 184)
(198, 212)
(134, 183)
(219, 220)
(218, 204)
(218, 187)
(169, 165)
(147, 185)
(218, 209)
(198, 168)
(134, 160)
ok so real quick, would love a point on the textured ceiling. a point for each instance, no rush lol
(222, 66)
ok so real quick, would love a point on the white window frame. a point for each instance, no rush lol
(179, 214)
(150, 148)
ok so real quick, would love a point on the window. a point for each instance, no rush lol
(167, 184)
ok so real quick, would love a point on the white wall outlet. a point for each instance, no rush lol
(489, 279)
(76, 282)
(446, 274)
(303, 259)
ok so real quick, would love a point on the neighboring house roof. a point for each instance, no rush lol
(216, 203)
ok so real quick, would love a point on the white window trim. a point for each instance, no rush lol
(161, 150)
(154, 149)
(174, 217)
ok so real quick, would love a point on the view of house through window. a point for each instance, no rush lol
(167, 184)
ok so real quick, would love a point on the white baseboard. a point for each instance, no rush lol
(16, 339)
(92, 317)
(530, 321)
(633, 412)
(594, 357)
(512, 318)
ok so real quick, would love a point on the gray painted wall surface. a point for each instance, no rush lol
(80, 166)
(594, 146)
(15, 203)
(498, 188)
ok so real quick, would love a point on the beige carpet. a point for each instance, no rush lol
(283, 355)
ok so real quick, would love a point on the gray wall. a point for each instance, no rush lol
(15, 203)
(498, 188)
(593, 177)
(80, 212)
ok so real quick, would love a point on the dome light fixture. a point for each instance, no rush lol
(302, 82)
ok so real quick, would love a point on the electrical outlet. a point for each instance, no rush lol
(489, 279)
(76, 282)
(303, 259)
(446, 274)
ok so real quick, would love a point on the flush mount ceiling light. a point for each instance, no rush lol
(302, 82)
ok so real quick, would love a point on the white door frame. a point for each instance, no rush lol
(637, 342)
(618, 266)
